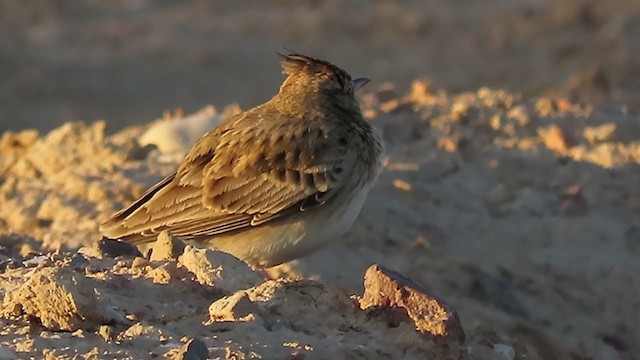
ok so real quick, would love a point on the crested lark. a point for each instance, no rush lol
(273, 183)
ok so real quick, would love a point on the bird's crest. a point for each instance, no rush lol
(294, 63)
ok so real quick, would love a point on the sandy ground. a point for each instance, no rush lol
(521, 213)
(520, 209)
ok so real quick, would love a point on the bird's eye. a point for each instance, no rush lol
(349, 87)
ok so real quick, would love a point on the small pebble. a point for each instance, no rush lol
(139, 262)
(106, 332)
(167, 247)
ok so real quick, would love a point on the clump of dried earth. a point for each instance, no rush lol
(207, 304)
(519, 218)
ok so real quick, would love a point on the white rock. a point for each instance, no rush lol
(219, 269)
(176, 136)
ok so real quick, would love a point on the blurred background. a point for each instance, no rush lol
(128, 61)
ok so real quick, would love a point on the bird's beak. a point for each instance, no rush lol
(359, 83)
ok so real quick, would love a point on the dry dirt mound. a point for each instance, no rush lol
(208, 304)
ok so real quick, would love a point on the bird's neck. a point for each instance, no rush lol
(300, 105)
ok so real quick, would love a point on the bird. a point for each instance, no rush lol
(273, 183)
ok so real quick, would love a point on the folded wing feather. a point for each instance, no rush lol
(221, 188)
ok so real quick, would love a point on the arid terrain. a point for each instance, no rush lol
(509, 198)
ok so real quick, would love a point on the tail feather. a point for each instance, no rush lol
(114, 227)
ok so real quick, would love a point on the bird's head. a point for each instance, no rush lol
(314, 82)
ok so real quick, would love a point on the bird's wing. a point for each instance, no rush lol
(244, 173)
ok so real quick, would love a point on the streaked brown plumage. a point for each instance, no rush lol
(273, 183)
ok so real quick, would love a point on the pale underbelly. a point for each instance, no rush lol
(295, 236)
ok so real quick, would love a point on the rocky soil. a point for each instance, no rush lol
(517, 220)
